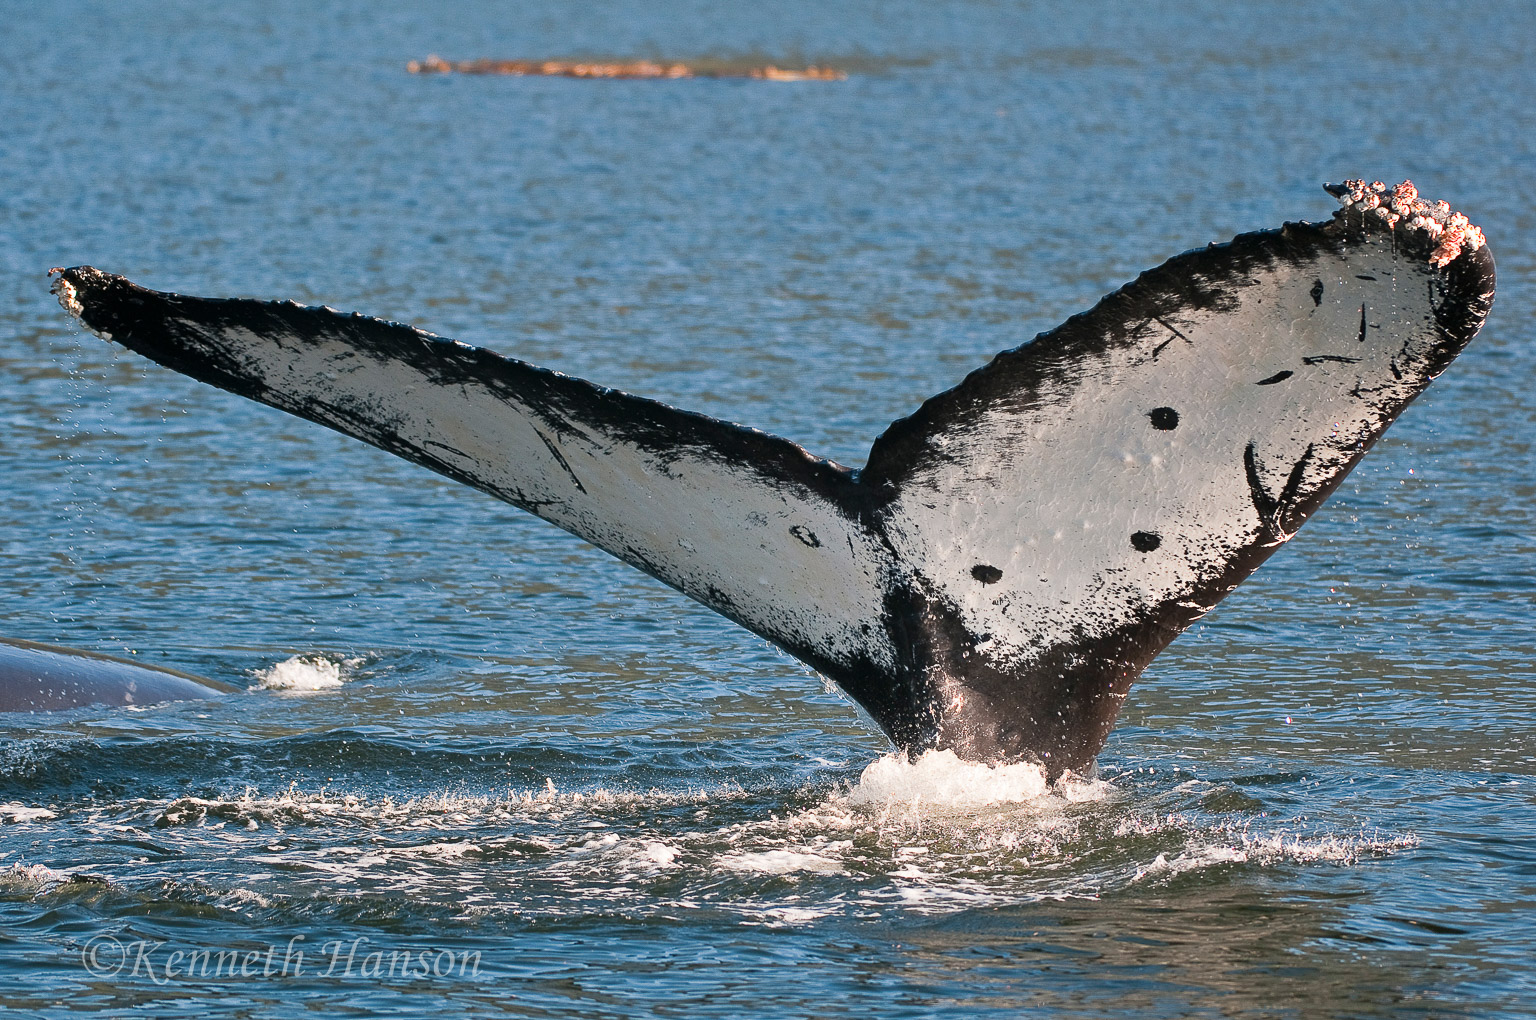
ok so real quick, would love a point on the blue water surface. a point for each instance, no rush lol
(597, 798)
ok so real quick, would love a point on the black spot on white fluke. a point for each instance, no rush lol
(1027, 477)
(805, 535)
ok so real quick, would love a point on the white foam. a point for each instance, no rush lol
(30, 878)
(941, 778)
(305, 673)
(1272, 848)
(1194, 860)
(781, 862)
(661, 854)
(17, 812)
(786, 917)
(446, 850)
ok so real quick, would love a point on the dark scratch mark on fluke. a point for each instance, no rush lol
(1317, 293)
(1037, 476)
(455, 451)
(1276, 514)
(554, 452)
(1277, 377)
(1176, 336)
(1262, 502)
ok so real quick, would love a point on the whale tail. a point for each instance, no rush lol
(1015, 552)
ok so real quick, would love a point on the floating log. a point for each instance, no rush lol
(620, 69)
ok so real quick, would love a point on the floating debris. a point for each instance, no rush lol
(620, 69)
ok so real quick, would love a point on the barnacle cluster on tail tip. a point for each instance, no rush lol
(1436, 225)
(65, 292)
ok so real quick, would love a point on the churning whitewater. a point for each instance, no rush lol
(933, 836)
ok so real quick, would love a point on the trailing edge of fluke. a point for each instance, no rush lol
(1012, 554)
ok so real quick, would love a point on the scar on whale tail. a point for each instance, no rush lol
(1012, 554)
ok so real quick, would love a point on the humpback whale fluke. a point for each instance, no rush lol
(1012, 554)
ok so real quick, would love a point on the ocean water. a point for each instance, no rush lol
(479, 769)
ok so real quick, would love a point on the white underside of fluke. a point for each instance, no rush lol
(1050, 497)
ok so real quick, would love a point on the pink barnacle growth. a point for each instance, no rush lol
(1450, 241)
(1449, 233)
(1447, 250)
(1404, 198)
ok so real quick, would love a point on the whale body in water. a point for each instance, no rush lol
(1013, 553)
(43, 678)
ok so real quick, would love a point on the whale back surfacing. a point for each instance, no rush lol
(1011, 556)
(45, 678)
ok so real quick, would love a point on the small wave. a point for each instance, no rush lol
(1273, 848)
(782, 862)
(23, 878)
(445, 810)
(39, 880)
(15, 812)
(788, 917)
(305, 673)
(661, 855)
